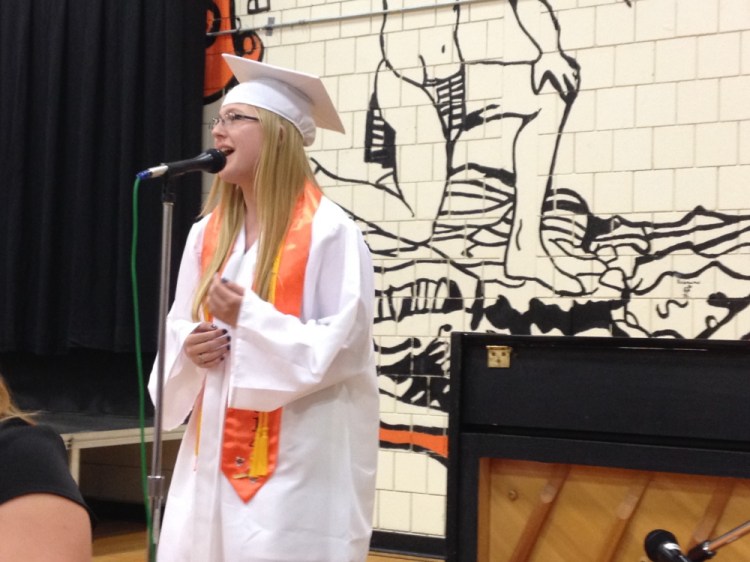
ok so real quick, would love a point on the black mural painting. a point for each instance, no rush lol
(497, 225)
(486, 237)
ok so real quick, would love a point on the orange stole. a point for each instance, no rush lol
(251, 439)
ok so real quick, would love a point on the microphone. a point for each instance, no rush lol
(211, 161)
(661, 546)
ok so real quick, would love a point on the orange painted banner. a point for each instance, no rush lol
(243, 43)
(437, 444)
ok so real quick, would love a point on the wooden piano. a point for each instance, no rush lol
(573, 449)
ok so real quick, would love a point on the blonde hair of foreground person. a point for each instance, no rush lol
(40, 527)
(282, 172)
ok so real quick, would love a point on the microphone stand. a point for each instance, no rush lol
(156, 478)
(708, 549)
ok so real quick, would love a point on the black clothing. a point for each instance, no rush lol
(33, 460)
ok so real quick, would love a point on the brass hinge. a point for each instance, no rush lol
(498, 356)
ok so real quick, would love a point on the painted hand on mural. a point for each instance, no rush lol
(552, 65)
(560, 71)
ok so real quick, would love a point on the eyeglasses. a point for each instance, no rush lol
(229, 119)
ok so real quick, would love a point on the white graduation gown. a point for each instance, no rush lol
(317, 506)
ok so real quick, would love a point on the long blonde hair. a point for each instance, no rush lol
(283, 169)
(8, 409)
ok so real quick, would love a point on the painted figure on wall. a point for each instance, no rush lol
(477, 164)
(499, 218)
(482, 233)
(437, 76)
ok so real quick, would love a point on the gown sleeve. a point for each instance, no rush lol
(278, 358)
(183, 380)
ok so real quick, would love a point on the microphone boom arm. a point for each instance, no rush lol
(707, 549)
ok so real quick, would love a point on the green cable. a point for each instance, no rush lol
(139, 363)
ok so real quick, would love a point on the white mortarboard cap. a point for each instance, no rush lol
(298, 97)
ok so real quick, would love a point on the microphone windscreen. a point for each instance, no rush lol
(217, 162)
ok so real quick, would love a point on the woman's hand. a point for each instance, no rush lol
(224, 300)
(207, 345)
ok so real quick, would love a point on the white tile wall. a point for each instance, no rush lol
(368, 55)
(394, 511)
(340, 56)
(655, 19)
(697, 17)
(660, 126)
(695, 186)
(655, 104)
(719, 55)
(420, 19)
(632, 149)
(733, 187)
(613, 27)
(428, 514)
(674, 147)
(615, 108)
(716, 144)
(310, 57)
(356, 26)
(328, 31)
(734, 15)
(410, 472)
(578, 27)
(744, 141)
(614, 193)
(386, 470)
(593, 151)
(733, 98)
(745, 51)
(634, 63)
(698, 101)
(597, 67)
(653, 190)
(583, 115)
(676, 59)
